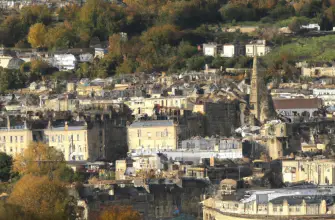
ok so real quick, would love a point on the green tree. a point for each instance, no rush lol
(83, 70)
(196, 63)
(127, 66)
(231, 13)
(59, 37)
(186, 50)
(5, 166)
(295, 25)
(9, 211)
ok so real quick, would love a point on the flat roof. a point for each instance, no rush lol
(155, 123)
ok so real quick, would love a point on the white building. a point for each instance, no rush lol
(148, 162)
(86, 58)
(100, 52)
(257, 48)
(232, 50)
(295, 108)
(211, 49)
(327, 95)
(231, 149)
(318, 71)
(64, 61)
(311, 27)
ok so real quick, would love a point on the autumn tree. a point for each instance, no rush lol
(120, 213)
(127, 66)
(115, 45)
(160, 35)
(35, 14)
(45, 198)
(59, 37)
(37, 35)
(39, 66)
(69, 12)
(38, 159)
(9, 211)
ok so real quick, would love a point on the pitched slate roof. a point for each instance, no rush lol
(299, 103)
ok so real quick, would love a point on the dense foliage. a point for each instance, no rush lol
(120, 213)
(162, 35)
(40, 191)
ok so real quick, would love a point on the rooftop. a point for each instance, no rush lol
(157, 123)
(298, 103)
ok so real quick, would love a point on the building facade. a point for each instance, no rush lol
(152, 135)
(77, 142)
(211, 49)
(318, 71)
(232, 50)
(257, 48)
(228, 210)
(298, 107)
(231, 148)
(327, 95)
(314, 171)
(14, 140)
(64, 61)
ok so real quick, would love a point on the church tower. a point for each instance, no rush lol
(255, 91)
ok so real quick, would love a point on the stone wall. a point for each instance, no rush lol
(222, 118)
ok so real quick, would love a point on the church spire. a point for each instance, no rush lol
(254, 67)
(254, 94)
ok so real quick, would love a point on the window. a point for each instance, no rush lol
(52, 138)
(4, 138)
(297, 209)
(280, 209)
(138, 133)
(21, 139)
(77, 137)
(11, 140)
(275, 209)
(15, 139)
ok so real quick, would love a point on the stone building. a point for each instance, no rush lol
(226, 210)
(77, 141)
(222, 117)
(273, 203)
(314, 171)
(152, 135)
(14, 139)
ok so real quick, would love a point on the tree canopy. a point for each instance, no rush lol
(5, 166)
(120, 213)
(42, 197)
(38, 159)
